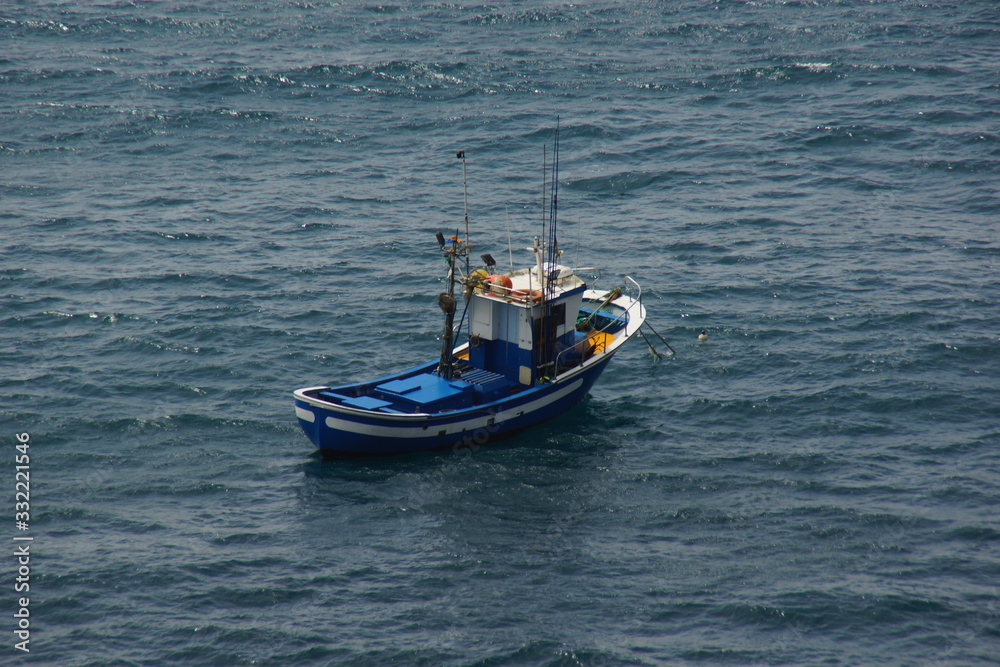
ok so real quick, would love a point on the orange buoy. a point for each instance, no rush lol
(499, 283)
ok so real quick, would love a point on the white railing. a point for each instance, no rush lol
(627, 314)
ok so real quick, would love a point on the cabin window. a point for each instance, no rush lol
(545, 326)
(559, 314)
(545, 333)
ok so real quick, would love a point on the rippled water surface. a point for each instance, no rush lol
(208, 205)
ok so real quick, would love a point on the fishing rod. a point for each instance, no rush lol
(547, 271)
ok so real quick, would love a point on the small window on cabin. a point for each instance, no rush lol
(545, 328)
(559, 314)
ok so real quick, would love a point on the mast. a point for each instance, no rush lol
(446, 300)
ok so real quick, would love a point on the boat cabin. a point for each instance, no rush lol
(518, 334)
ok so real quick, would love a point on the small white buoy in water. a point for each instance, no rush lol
(703, 336)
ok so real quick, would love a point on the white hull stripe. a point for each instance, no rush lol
(375, 430)
(307, 415)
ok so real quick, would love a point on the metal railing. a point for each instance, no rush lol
(636, 301)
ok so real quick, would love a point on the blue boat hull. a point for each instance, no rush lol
(337, 431)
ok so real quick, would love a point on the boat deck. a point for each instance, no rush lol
(424, 392)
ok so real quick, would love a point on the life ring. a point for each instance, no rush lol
(523, 295)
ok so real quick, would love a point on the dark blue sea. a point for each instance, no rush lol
(206, 205)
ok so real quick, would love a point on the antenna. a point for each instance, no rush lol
(465, 196)
(510, 248)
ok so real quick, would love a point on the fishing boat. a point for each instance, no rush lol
(536, 340)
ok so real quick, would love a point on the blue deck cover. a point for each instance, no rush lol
(366, 403)
(427, 390)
